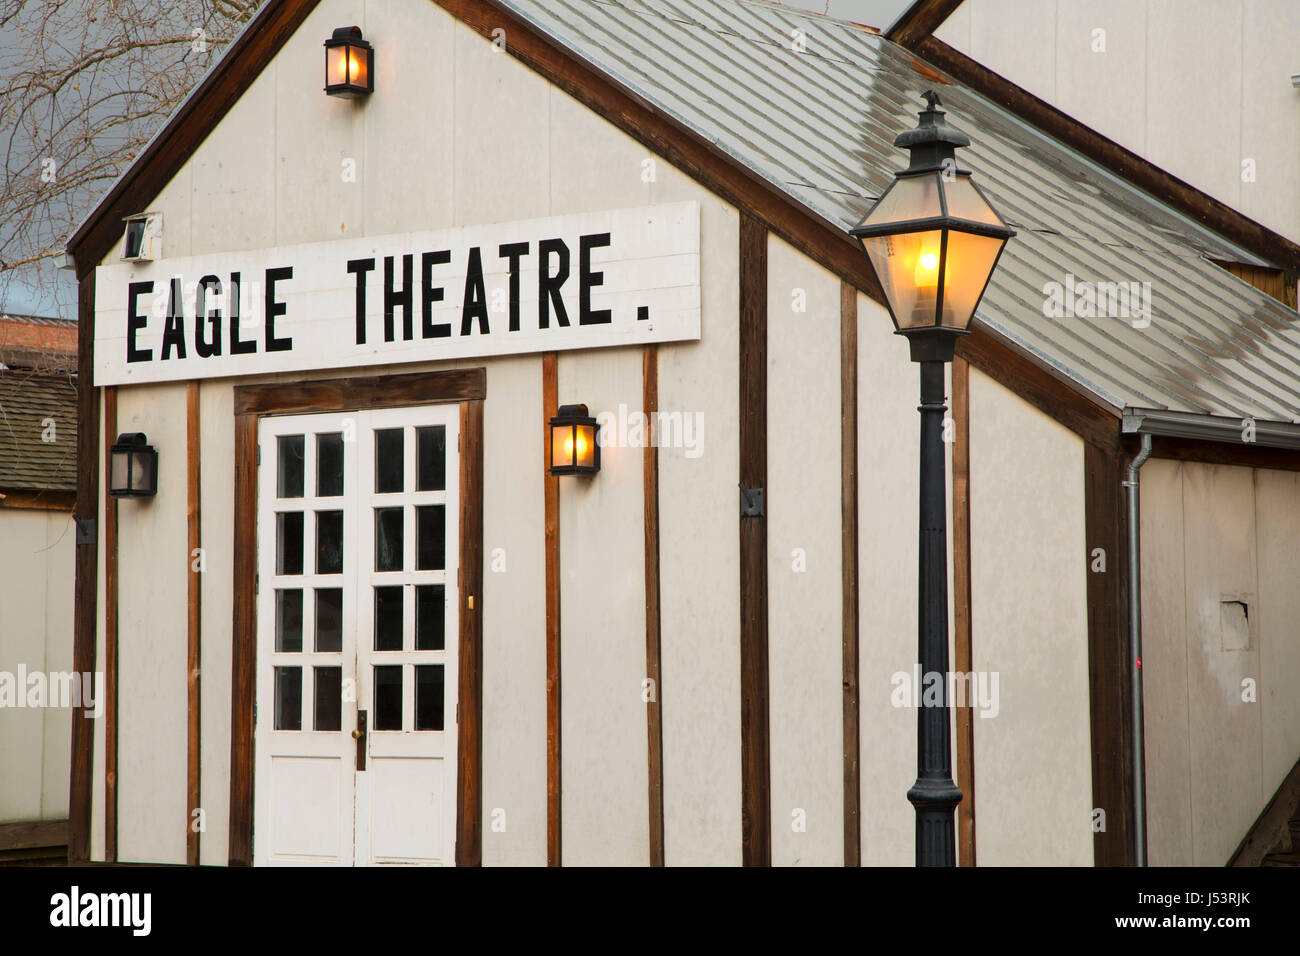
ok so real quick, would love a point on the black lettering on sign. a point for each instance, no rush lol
(204, 347)
(400, 298)
(475, 305)
(548, 286)
(174, 330)
(238, 346)
(360, 267)
(135, 321)
(274, 308)
(587, 279)
(429, 294)
(513, 251)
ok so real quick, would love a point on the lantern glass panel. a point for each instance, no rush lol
(142, 472)
(336, 65)
(970, 263)
(911, 197)
(562, 446)
(358, 67)
(965, 202)
(908, 268)
(120, 470)
(585, 452)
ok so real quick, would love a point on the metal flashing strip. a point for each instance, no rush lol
(1147, 421)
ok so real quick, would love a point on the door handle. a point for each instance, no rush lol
(359, 735)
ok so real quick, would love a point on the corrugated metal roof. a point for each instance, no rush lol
(33, 455)
(819, 123)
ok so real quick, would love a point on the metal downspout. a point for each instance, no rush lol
(1135, 655)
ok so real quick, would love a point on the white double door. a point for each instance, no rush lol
(355, 731)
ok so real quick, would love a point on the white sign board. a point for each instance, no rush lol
(595, 280)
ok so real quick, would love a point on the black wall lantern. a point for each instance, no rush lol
(133, 472)
(575, 449)
(349, 64)
(933, 240)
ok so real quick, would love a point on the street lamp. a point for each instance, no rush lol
(933, 240)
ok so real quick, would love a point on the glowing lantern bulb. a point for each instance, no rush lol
(927, 269)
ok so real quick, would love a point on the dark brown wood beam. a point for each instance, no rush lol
(469, 748)
(38, 500)
(963, 642)
(35, 834)
(193, 655)
(86, 598)
(336, 394)
(551, 498)
(110, 637)
(243, 685)
(849, 612)
(1109, 683)
(755, 751)
(1245, 454)
(653, 671)
(920, 20)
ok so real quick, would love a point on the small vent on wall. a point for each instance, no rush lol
(1234, 624)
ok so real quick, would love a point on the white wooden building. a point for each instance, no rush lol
(361, 621)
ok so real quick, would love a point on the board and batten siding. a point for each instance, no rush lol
(1213, 535)
(36, 564)
(273, 173)
(1029, 624)
(802, 503)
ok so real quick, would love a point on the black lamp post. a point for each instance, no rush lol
(933, 240)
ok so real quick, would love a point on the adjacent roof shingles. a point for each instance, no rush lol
(35, 407)
(819, 123)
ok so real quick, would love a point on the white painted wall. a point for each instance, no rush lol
(1198, 87)
(888, 462)
(1029, 621)
(36, 568)
(1214, 756)
(153, 571)
(216, 537)
(803, 505)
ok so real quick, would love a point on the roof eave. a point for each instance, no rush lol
(1214, 428)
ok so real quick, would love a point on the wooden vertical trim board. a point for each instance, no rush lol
(469, 748)
(551, 486)
(85, 624)
(849, 570)
(243, 690)
(193, 657)
(110, 636)
(755, 750)
(963, 648)
(1109, 676)
(654, 717)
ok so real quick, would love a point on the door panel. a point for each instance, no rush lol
(357, 532)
